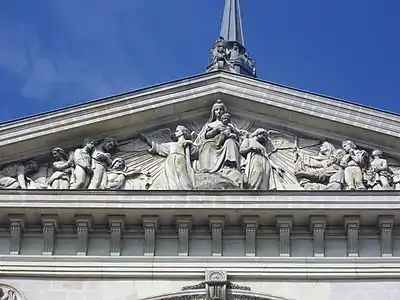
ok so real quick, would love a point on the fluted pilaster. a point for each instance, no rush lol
(183, 224)
(250, 226)
(116, 225)
(49, 223)
(150, 224)
(216, 224)
(318, 224)
(17, 226)
(83, 228)
(352, 226)
(284, 225)
(386, 227)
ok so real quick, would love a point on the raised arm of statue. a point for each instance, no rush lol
(245, 148)
(212, 132)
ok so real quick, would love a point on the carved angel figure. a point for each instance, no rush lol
(118, 174)
(62, 169)
(16, 176)
(258, 166)
(101, 159)
(378, 175)
(353, 162)
(321, 171)
(83, 166)
(212, 156)
(177, 173)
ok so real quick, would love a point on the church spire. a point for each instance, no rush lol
(231, 29)
(228, 52)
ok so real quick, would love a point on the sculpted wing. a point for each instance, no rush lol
(136, 156)
(282, 152)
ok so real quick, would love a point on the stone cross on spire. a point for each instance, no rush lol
(228, 52)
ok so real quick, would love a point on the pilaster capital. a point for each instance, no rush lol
(50, 221)
(284, 222)
(184, 222)
(150, 221)
(216, 221)
(84, 221)
(386, 221)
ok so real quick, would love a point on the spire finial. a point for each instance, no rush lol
(228, 52)
(231, 28)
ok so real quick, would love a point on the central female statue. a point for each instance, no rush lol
(213, 158)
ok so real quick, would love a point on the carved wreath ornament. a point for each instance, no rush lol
(218, 154)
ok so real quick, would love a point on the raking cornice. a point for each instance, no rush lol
(185, 99)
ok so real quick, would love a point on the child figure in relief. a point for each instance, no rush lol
(228, 131)
(177, 172)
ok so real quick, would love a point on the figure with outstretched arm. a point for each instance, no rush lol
(177, 172)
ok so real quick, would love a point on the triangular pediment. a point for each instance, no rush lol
(297, 125)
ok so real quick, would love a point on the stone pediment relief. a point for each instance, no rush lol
(220, 153)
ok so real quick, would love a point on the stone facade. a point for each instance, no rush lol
(316, 231)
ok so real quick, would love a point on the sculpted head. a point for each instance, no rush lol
(182, 131)
(88, 145)
(109, 145)
(377, 153)
(118, 164)
(218, 110)
(59, 154)
(226, 118)
(260, 134)
(31, 166)
(348, 146)
(327, 149)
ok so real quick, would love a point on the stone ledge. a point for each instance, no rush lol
(180, 267)
(231, 200)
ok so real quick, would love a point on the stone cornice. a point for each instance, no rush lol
(300, 204)
(187, 98)
(200, 199)
(183, 267)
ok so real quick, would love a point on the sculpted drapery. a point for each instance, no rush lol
(177, 172)
(258, 167)
(212, 158)
(217, 154)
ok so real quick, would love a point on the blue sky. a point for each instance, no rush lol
(55, 53)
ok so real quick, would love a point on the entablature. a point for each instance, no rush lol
(369, 205)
